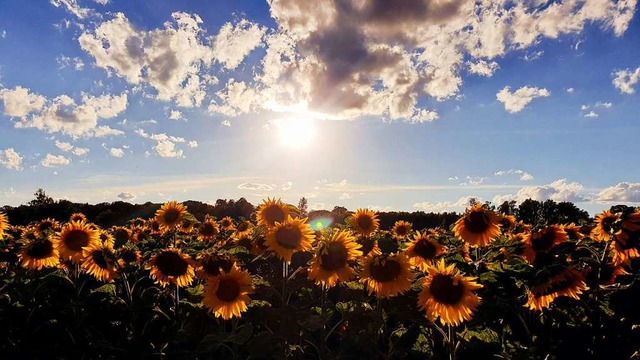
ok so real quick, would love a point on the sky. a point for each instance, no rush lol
(410, 105)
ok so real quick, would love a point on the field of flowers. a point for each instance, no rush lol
(280, 285)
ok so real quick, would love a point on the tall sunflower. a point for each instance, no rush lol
(573, 231)
(507, 222)
(401, 229)
(478, 226)
(226, 295)
(38, 254)
(626, 246)
(73, 237)
(542, 241)
(227, 223)
(364, 221)
(272, 211)
(100, 261)
(128, 256)
(212, 264)
(153, 225)
(208, 230)
(4, 224)
(137, 223)
(423, 250)
(604, 222)
(170, 215)
(564, 282)
(448, 294)
(290, 236)
(106, 238)
(386, 275)
(187, 226)
(171, 266)
(243, 228)
(47, 226)
(77, 217)
(331, 261)
(121, 235)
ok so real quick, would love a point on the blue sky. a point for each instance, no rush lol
(418, 106)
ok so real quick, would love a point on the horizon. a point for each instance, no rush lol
(417, 109)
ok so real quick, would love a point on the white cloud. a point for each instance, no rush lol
(11, 159)
(64, 146)
(126, 196)
(570, 90)
(102, 2)
(3, 34)
(65, 61)
(167, 149)
(623, 192)
(625, 80)
(175, 115)
(424, 115)
(345, 196)
(559, 190)
(533, 56)
(255, 186)
(606, 105)
(103, 131)
(80, 151)
(516, 101)
(192, 144)
(475, 180)
(226, 123)
(19, 102)
(524, 176)
(591, 114)
(286, 186)
(442, 206)
(72, 7)
(453, 178)
(483, 68)
(116, 152)
(55, 160)
(234, 42)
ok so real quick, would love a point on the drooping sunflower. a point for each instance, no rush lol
(542, 241)
(272, 211)
(100, 261)
(38, 254)
(423, 250)
(448, 295)
(564, 282)
(4, 224)
(212, 264)
(401, 229)
(603, 228)
(47, 226)
(171, 266)
(72, 238)
(290, 236)
(573, 231)
(77, 217)
(478, 226)
(331, 261)
(626, 246)
(227, 223)
(364, 221)
(226, 295)
(386, 275)
(170, 215)
(521, 228)
(208, 230)
(243, 228)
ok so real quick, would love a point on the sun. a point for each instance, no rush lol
(295, 132)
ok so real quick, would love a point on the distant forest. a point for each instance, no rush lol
(120, 213)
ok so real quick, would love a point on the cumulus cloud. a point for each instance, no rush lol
(116, 152)
(175, 115)
(80, 151)
(255, 186)
(72, 7)
(286, 186)
(192, 144)
(559, 190)
(524, 176)
(570, 90)
(225, 123)
(623, 192)
(483, 68)
(126, 196)
(591, 114)
(20, 102)
(462, 203)
(165, 144)
(55, 160)
(11, 159)
(424, 115)
(345, 196)
(533, 55)
(65, 61)
(473, 180)
(625, 80)
(64, 146)
(234, 42)
(602, 104)
(516, 101)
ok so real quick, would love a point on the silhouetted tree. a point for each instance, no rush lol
(41, 199)
(303, 206)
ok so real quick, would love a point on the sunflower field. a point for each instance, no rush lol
(280, 285)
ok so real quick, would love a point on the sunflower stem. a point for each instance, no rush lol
(452, 343)
(177, 299)
(323, 294)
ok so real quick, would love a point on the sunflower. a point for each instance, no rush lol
(137, 223)
(331, 261)
(128, 255)
(565, 282)
(170, 215)
(542, 241)
(208, 230)
(290, 236)
(139, 235)
(4, 224)
(212, 264)
(99, 261)
(478, 226)
(46, 226)
(272, 211)
(121, 235)
(507, 222)
(448, 294)
(187, 226)
(171, 266)
(243, 228)
(38, 254)
(245, 242)
(364, 221)
(626, 246)
(573, 231)
(226, 223)
(106, 238)
(226, 294)
(521, 228)
(153, 225)
(386, 275)
(423, 250)
(77, 217)
(603, 228)
(401, 229)
(73, 237)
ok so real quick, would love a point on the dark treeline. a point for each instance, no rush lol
(120, 212)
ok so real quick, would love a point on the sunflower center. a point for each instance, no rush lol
(446, 289)
(245, 242)
(155, 226)
(208, 229)
(274, 214)
(138, 222)
(129, 255)
(228, 290)
(365, 222)
(544, 241)
(552, 285)
(103, 237)
(77, 218)
(385, 271)
(335, 258)
(289, 237)
(606, 224)
(171, 264)
(225, 223)
(171, 216)
(45, 225)
(121, 236)
(243, 226)
(99, 258)
(213, 264)
(402, 230)
(425, 249)
(40, 249)
(476, 222)
(76, 239)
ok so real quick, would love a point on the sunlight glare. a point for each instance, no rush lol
(296, 132)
